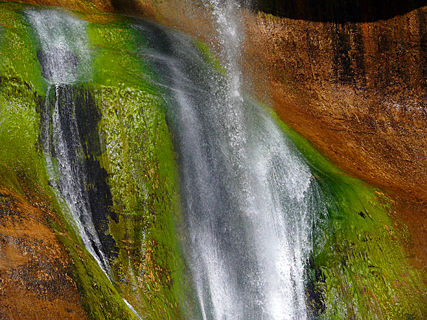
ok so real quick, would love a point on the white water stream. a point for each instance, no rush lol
(248, 197)
(65, 58)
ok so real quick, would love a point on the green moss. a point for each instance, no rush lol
(210, 57)
(100, 298)
(19, 102)
(114, 65)
(140, 161)
(19, 132)
(360, 248)
(18, 57)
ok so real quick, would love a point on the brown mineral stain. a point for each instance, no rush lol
(35, 280)
(357, 91)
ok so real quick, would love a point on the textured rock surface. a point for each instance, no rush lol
(357, 91)
(35, 272)
(338, 10)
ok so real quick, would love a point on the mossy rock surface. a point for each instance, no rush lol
(359, 268)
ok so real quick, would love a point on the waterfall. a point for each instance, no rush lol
(65, 59)
(253, 231)
(248, 197)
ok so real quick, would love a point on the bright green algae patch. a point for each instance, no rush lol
(142, 170)
(19, 102)
(141, 164)
(360, 268)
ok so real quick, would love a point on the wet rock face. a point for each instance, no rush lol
(35, 273)
(357, 90)
(96, 188)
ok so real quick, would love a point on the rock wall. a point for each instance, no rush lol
(355, 87)
(356, 90)
(338, 10)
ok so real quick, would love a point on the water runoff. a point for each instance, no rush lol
(66, 60)
(248, 197)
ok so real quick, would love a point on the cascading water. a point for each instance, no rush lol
(249, 200)
(65, 59)
(248, 197)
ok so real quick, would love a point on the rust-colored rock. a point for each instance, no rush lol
(35, 280)
(357, 91)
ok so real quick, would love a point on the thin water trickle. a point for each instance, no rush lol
(65, 59)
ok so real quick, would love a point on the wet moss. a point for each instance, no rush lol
(100, 298)
(18, 54)
(19, 101)
(210, 57)
(360, 266)
(139, 159)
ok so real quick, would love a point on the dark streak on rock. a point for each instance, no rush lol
(340, 11)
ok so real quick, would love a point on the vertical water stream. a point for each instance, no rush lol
(65, 59)
(248, 197)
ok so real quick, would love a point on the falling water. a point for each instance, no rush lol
(247, 195)
(65, 59)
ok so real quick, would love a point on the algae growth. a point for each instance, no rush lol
(359, 266)
(140, 162)
(358, 269)
(140, 175)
